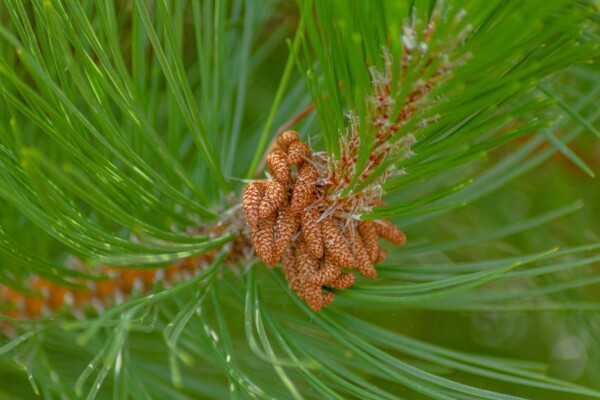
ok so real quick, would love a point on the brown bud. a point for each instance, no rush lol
(343, 281)
(148, 276)
(104, 288)
(305, 187)
(328, 272)
(33, 306)
(251, 200)
(286, 226)
(274, 196)
(365, 266)
(311, 229)
(314, 297)
(308, 265)
(297, 152)
(14, 301)
(336, 245)
(382, 255)
(127, 279)
(287, 138)
(327, 299)
(368, 234)
(277, 163)
(390, 232)
(82, 296)
(55, 293)
(263, 239)
(290, 269)
(172, 273)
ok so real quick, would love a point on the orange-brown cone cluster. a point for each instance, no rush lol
(50, 297)
(289, 218)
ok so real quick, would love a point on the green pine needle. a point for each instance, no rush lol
(128, 127)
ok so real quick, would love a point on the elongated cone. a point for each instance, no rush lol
(56, 294)
(264, 241)
(365, 266)
(285, 227)
(328, 272)
(14, 301)
(274, 197)
(326, 299)
(33, 306)
(297, 152)
(83, 296)
(368, 234)
(126, 279)
(390, 232)
(148, 276)
(287, 138)
(308, 265)
(251, 200)
(290, 269)
(105, 288)
(382, 255)
(305, 187)
(278, 165)
(343, 281)
(315, 298)
(311, 229)
(53, 295)
(336, 245)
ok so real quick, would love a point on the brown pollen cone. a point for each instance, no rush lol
(33, 306)
(382, 255)
(390, 232)
(328, 272)
(251, 200)
(287, 138)
(264, 241)
(274, 197)
(363, 260)
(291, 270)
(336, 245)
(285, 227)
(120, 283)
(297, 152)
(311, 229)
(343, 281)
(368, 234)
(316, 299)
(297, 217)
(308, 265)
(326, 299)
(305, 187)
(277, 163)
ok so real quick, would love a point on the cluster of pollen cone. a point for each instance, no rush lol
(119, 284)
(306, 214)
(292, 221)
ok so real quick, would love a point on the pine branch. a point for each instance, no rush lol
(128, 269)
